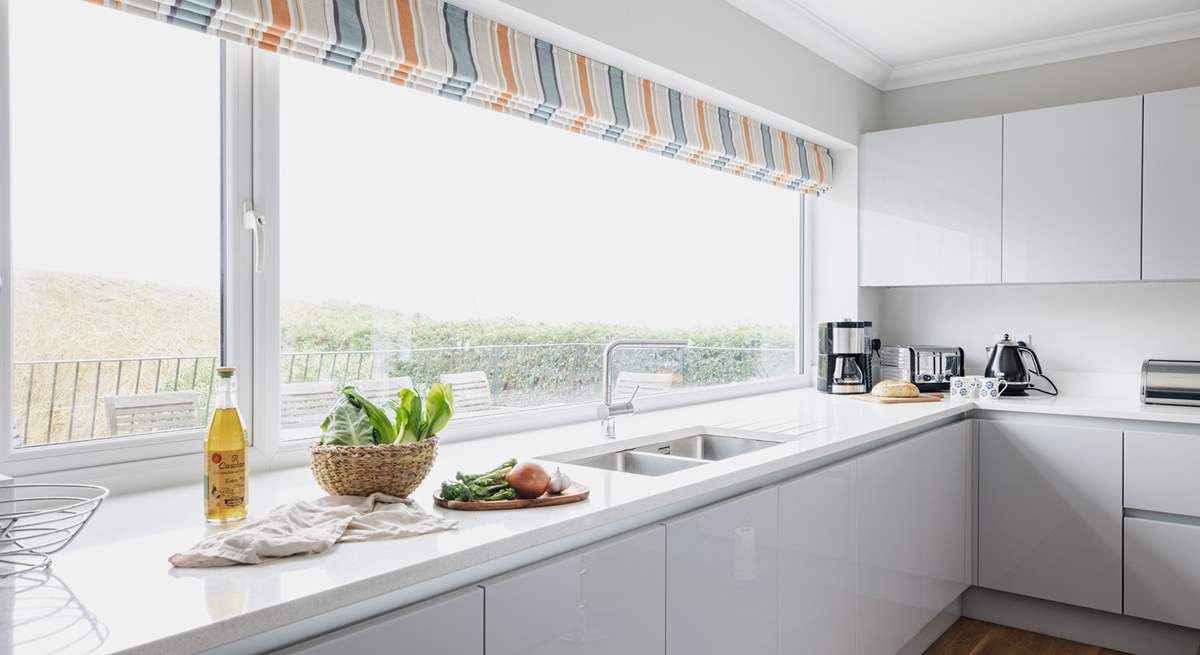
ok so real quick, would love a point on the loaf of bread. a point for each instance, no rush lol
(896, 389)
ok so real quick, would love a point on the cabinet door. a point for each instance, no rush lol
(947, 514)
(1050, 512)
(607, 598)
(817, 570)
(1072, 193)
(1162, 572)
(447, 625)
(1171, 215)
(930, 209)
(722, 593)
(1160, 472)
(888, 527)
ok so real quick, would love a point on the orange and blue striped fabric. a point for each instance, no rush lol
(441, 48)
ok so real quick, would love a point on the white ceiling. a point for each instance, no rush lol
(893, 44)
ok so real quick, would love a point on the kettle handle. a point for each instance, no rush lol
(1037, 365)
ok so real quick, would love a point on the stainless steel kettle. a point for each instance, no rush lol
(1016, 363)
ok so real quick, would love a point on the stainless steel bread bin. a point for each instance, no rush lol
(1170, 382)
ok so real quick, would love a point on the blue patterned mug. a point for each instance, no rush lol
(970, 387)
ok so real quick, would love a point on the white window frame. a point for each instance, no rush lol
(236, 297)
(251, 312)
(267, 308)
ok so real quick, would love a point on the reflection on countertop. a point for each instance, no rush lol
(40, 613)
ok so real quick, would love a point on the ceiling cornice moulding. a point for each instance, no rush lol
(796, 22)
(1155, 31)
(802, 26)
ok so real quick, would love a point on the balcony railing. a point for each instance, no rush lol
(59, 401)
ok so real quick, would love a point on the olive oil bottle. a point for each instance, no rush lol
(225, 456)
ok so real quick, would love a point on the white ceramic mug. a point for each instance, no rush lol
(971, 387)
(964, 387)
(991, 388)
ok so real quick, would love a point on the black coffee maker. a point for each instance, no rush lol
(844, 357)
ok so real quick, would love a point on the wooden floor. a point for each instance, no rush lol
(971, 637)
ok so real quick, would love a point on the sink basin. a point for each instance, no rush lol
(630, 461)
(710, 447)
(671, 452)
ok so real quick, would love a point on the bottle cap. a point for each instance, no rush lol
(225, 372)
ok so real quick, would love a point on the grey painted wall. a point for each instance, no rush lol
(716, 44)
(1128, 73)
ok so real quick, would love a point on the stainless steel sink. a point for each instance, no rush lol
(709, 447)
(631, 461)
(670, 452)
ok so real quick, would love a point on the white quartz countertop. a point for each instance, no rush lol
(113, 590)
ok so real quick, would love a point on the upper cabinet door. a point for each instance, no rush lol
(1171, 214)
(1072, 193)
(931, 204)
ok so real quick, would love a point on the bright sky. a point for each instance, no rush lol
(389, 196)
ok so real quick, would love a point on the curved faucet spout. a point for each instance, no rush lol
(609, 411)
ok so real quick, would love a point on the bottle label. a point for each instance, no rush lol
(225, 480)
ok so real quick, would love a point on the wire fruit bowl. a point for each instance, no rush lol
(38, 520)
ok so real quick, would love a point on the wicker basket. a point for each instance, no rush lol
(395, 469)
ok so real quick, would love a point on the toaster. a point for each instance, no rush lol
(928, 367)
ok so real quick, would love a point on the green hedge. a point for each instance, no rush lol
(564, 366)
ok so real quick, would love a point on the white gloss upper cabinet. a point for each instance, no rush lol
(931, 204)
(446, 625)
(1073, 193)
(722, 584)
(606, 598)
(1171, 213)
(817, 569)
(1050, 512)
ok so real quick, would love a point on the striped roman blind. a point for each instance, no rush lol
(443, 49)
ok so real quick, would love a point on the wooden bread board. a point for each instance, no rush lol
(573, 494)
(923, 398)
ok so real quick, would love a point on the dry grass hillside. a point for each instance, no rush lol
(72, 316)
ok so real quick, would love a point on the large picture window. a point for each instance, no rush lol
(406, 240)
(423, 240)
(114, 165)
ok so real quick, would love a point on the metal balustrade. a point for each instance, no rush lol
(57, 401)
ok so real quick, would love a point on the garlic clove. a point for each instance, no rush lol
(559, 482)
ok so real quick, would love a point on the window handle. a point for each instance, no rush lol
(254, 221)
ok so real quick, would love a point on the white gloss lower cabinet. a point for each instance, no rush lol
(1050, 512)
(887, 510)
(606, 598)
(912, 508)
(947, 514)
(447, 625)
(818, 574)
(874, 548)
(1162, 571)
(722, 583)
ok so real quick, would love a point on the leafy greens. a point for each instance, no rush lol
(356, 421)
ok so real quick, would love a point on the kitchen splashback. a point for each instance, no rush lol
(1076, 328)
